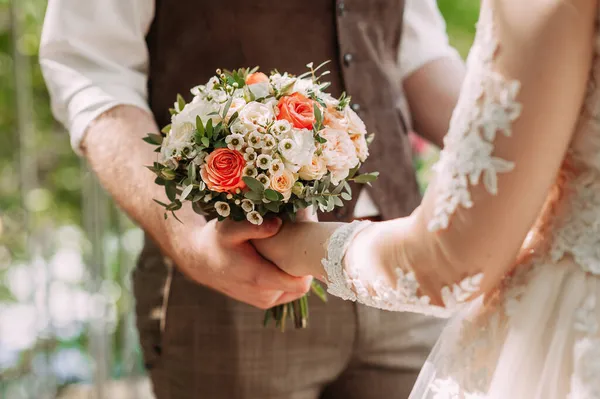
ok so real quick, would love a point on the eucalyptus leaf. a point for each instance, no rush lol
(254, 184)
(253, 196)
(272, 206)
(347, 196)
(192, 172)
(153, 138)
(273, 195)
(337, 201)
(366, 178)
(186, 191)
(171, 191)
(353, 171)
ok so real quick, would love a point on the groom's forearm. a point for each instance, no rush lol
(115, 151)
(432, 92)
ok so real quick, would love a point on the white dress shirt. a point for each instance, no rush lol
(94, 57)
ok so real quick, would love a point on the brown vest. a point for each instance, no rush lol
(190, 39)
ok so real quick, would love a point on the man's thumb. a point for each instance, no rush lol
(244, 231)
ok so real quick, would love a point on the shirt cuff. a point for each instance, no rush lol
(90, 103)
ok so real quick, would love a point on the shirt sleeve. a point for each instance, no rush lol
(424, 36)
(93, 56)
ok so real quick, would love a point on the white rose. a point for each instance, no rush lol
(315, 170)
(183, 124)
(279, 81)
(283, 183)
(222, 208)
(236, 105)
(355, 124)
(305, 86)
(339, 153)
(260, 90)
(297, 148)
(242, 128)
(256, 114)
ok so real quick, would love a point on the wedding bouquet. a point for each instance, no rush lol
(250, 146)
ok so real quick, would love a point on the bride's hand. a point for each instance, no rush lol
(299, 247)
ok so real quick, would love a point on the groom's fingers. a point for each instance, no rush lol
(269, 277)
(238, 232)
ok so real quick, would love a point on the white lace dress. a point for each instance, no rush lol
(538, 335)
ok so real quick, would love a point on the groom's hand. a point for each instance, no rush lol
(219, 255)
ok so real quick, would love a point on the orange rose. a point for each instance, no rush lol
(222, 171)
(256, 77)
(298, 110)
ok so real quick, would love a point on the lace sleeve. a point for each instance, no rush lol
(513, 115)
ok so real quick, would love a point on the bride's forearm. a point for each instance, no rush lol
(299, 247)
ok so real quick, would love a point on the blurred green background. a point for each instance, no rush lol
(65, 251)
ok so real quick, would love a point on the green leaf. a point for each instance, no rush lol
(366, 178)
(318, 137)
(347, 196)
(337, 201)
(176, 218)
(338, 189)
(318, 117)
(353, 171)
(318, 290)
(153, 138)
(192, 172)
(370, 138)
(209, 129)
(159, 181)
(180, 102)
(330, 204)
(233, 118)
(273, 195)
(171, 191)
(347, 187)
(272, 206)
(174, 206)
(186, 191)
(160, 203)
(217, 130)
(172, 111)
(200, 126)
(205, 141)
(220, 144)
(254, 184)
(253, 196)
(197, 207)
(227, 105)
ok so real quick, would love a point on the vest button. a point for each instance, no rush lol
(341, 8)
(355, 107)
(348, 59)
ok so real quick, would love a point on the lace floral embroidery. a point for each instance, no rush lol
(487, 108)
(403, 296)
(586, 353)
